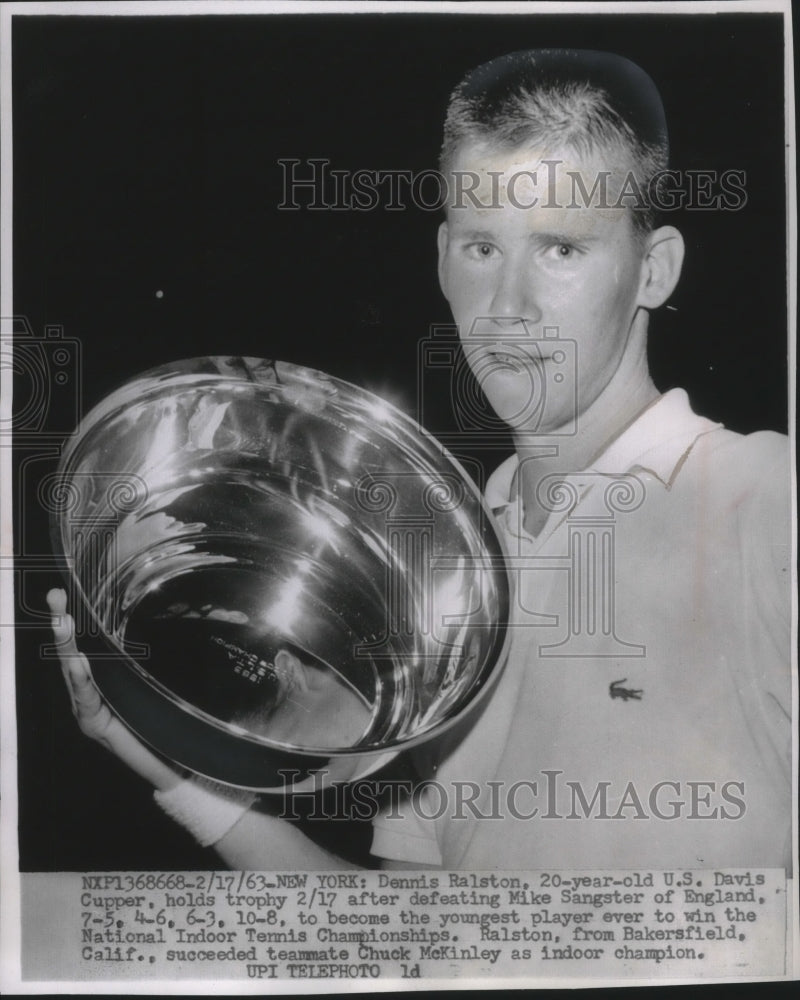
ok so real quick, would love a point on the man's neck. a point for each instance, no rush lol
(566, 454)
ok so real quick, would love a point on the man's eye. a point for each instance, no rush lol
(482, 250)
(563, 251)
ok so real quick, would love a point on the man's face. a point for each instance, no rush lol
(517, 276)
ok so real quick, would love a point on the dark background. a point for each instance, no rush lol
(145, 160)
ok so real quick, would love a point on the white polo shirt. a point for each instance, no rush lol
(643, 717)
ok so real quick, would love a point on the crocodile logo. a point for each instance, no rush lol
(615, 691)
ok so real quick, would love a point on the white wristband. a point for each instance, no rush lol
(207, 809)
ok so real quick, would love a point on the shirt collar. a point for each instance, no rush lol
(657, 441)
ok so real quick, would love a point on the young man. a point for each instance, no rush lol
(646, 722)
(642, 719)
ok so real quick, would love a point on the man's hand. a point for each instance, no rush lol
(95, 718)
(257, 842)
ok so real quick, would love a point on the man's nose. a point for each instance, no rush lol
(514, 302)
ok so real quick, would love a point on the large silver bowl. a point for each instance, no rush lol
(279, 577)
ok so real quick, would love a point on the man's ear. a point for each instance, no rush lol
(661, 266)
(442, 239)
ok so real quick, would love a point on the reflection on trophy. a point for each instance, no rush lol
(283, 574)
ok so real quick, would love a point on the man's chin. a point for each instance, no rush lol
(526, 419)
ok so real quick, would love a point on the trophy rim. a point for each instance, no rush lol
(196, 370)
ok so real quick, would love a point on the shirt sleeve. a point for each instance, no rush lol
(765, 526)
(765, 532)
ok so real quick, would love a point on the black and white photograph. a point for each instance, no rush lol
(398, 513)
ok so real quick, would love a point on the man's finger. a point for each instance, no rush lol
(62, 624)
(57, 602)
(73, 662)
(85, 698)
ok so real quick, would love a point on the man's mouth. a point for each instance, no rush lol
(510, 357)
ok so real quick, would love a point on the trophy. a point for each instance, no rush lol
(276, 573)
